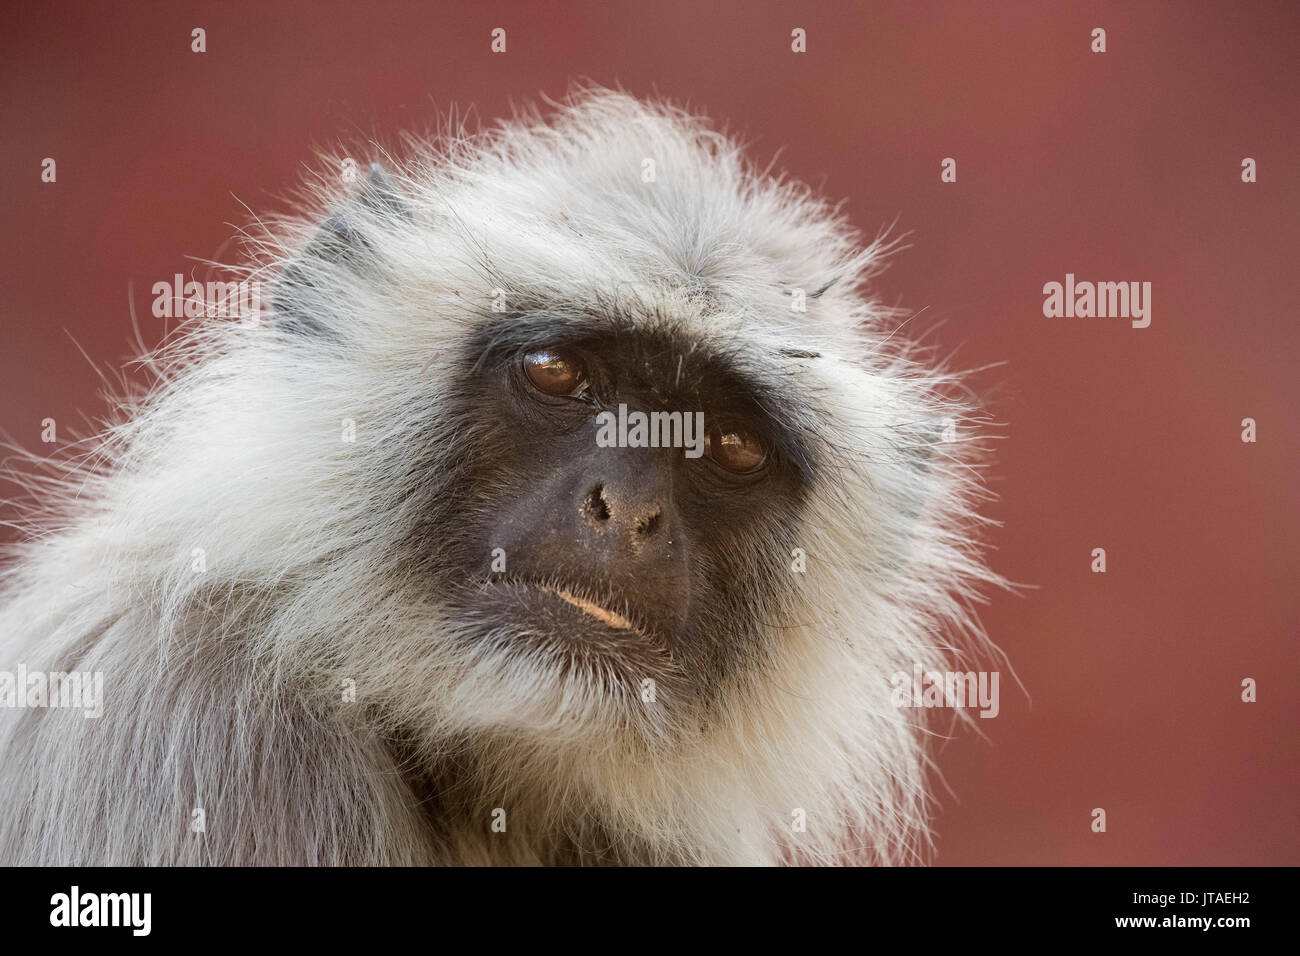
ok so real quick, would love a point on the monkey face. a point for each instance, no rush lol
(640, 558)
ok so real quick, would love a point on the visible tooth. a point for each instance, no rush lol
(601, 614)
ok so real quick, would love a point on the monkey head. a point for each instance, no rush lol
(481, 315)
(579, 449)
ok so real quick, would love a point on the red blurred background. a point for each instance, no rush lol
(1117, 166)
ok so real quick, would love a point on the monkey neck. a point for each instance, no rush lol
(480, 809)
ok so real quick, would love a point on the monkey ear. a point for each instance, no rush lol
(340, 241)
(383, 195)
(926, 442)
(921, 448)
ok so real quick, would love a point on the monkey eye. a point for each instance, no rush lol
(736, 449)
(558, 372)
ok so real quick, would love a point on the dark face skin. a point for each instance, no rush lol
(626, 562)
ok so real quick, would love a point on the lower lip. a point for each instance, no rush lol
(604, 615)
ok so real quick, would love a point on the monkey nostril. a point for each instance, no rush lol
(596, 511)
(648, 525)
(595, 505)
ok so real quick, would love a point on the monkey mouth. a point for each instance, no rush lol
(579, 615)
(603, 614)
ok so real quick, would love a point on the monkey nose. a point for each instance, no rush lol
(627, 514)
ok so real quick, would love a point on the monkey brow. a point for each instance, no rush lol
(737, 374)
(742, 367)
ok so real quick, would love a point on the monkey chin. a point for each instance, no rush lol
(560, 644)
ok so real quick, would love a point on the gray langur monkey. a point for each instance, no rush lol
(364, 587)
